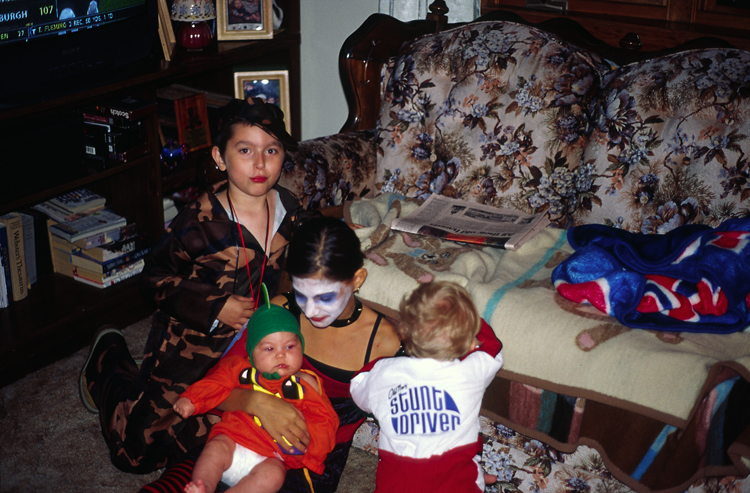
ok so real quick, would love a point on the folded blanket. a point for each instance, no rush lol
(692, 279)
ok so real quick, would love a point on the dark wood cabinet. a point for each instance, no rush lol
(658, 24)
(41, 156)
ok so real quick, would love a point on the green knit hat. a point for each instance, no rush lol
(269, 319)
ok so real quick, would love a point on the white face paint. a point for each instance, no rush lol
(322, 301)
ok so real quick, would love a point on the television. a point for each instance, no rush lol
(50, 48)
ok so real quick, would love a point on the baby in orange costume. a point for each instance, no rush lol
(239, 452)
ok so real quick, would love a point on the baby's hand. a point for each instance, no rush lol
(184, 407)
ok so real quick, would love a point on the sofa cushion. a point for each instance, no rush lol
(492, 112)
(327, 171)
(670, 144)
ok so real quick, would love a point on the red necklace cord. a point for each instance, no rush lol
(244, 249)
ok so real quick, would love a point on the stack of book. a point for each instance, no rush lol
(89, 242)
(113, 131)
(22, 235)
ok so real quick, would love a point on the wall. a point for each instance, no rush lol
(325, 25)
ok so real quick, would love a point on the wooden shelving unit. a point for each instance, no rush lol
(41, 155)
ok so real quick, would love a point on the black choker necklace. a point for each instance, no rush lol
(353, 318)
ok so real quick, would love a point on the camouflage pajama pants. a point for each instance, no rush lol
(141, 429)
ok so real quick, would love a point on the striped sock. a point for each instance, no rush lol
(173, 480)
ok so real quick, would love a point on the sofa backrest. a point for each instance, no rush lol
(671, 142)
(509, 115)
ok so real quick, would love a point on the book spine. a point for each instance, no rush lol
(4, 301)
(98, 239)
(5, 256)
(41, 243)
(79, 259)
(18, 273)
(29, 244)
(114, 250)
(111, 280)
(126, 259)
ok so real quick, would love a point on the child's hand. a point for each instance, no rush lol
(184, 407)
(236, 311)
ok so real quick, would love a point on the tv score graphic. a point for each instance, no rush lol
(25, 19)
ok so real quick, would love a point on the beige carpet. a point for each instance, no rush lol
(50, 443)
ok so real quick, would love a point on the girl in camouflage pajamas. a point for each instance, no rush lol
(205, 275)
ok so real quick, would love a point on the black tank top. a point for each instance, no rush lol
(344, 376)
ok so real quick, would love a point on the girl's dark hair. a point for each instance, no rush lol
(261, 114)
(324, 246)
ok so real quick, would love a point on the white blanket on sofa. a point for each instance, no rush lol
(548, 341)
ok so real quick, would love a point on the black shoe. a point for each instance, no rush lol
(105, 337)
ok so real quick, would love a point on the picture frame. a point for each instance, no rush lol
(271, 85)
(192, 122)
(244, 19)
(166, 32)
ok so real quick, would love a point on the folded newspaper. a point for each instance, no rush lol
(468, 222)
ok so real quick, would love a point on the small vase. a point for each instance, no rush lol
(195, 36)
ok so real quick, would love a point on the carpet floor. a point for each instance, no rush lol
(50, 443)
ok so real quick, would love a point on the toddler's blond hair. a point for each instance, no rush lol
(439, 321)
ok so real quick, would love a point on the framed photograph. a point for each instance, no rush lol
(272, 86)
(192, 122)
(244, 19)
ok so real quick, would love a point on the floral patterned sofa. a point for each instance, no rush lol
(506, 113)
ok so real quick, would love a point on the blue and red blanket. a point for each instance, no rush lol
(692, 279)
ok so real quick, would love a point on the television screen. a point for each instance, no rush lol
(53, 47)
(24, 20)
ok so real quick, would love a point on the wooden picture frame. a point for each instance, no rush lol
(192, 122)
(244, 19)
(272, 85)
(166, 33)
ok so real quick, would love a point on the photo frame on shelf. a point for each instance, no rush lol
(192, 122)
(166, 33)
(272, 86)
(244, 19)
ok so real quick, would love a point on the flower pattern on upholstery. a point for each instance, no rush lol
(330, 170)
(492, 112)
(511, 116)
(670, 144)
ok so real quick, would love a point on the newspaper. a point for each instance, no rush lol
(469, 222)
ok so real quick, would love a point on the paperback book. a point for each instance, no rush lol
(108, 251)
(99, 222)
(60, 215)
(130, 271)
(81, 259)
(79, 200)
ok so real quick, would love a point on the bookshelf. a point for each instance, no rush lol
(41, 157)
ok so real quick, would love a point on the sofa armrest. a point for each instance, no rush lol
(328, 171)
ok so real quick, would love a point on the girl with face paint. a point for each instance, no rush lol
(341, 333)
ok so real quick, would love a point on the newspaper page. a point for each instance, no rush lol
(469, 222)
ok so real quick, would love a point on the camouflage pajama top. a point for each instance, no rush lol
(192, 271)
